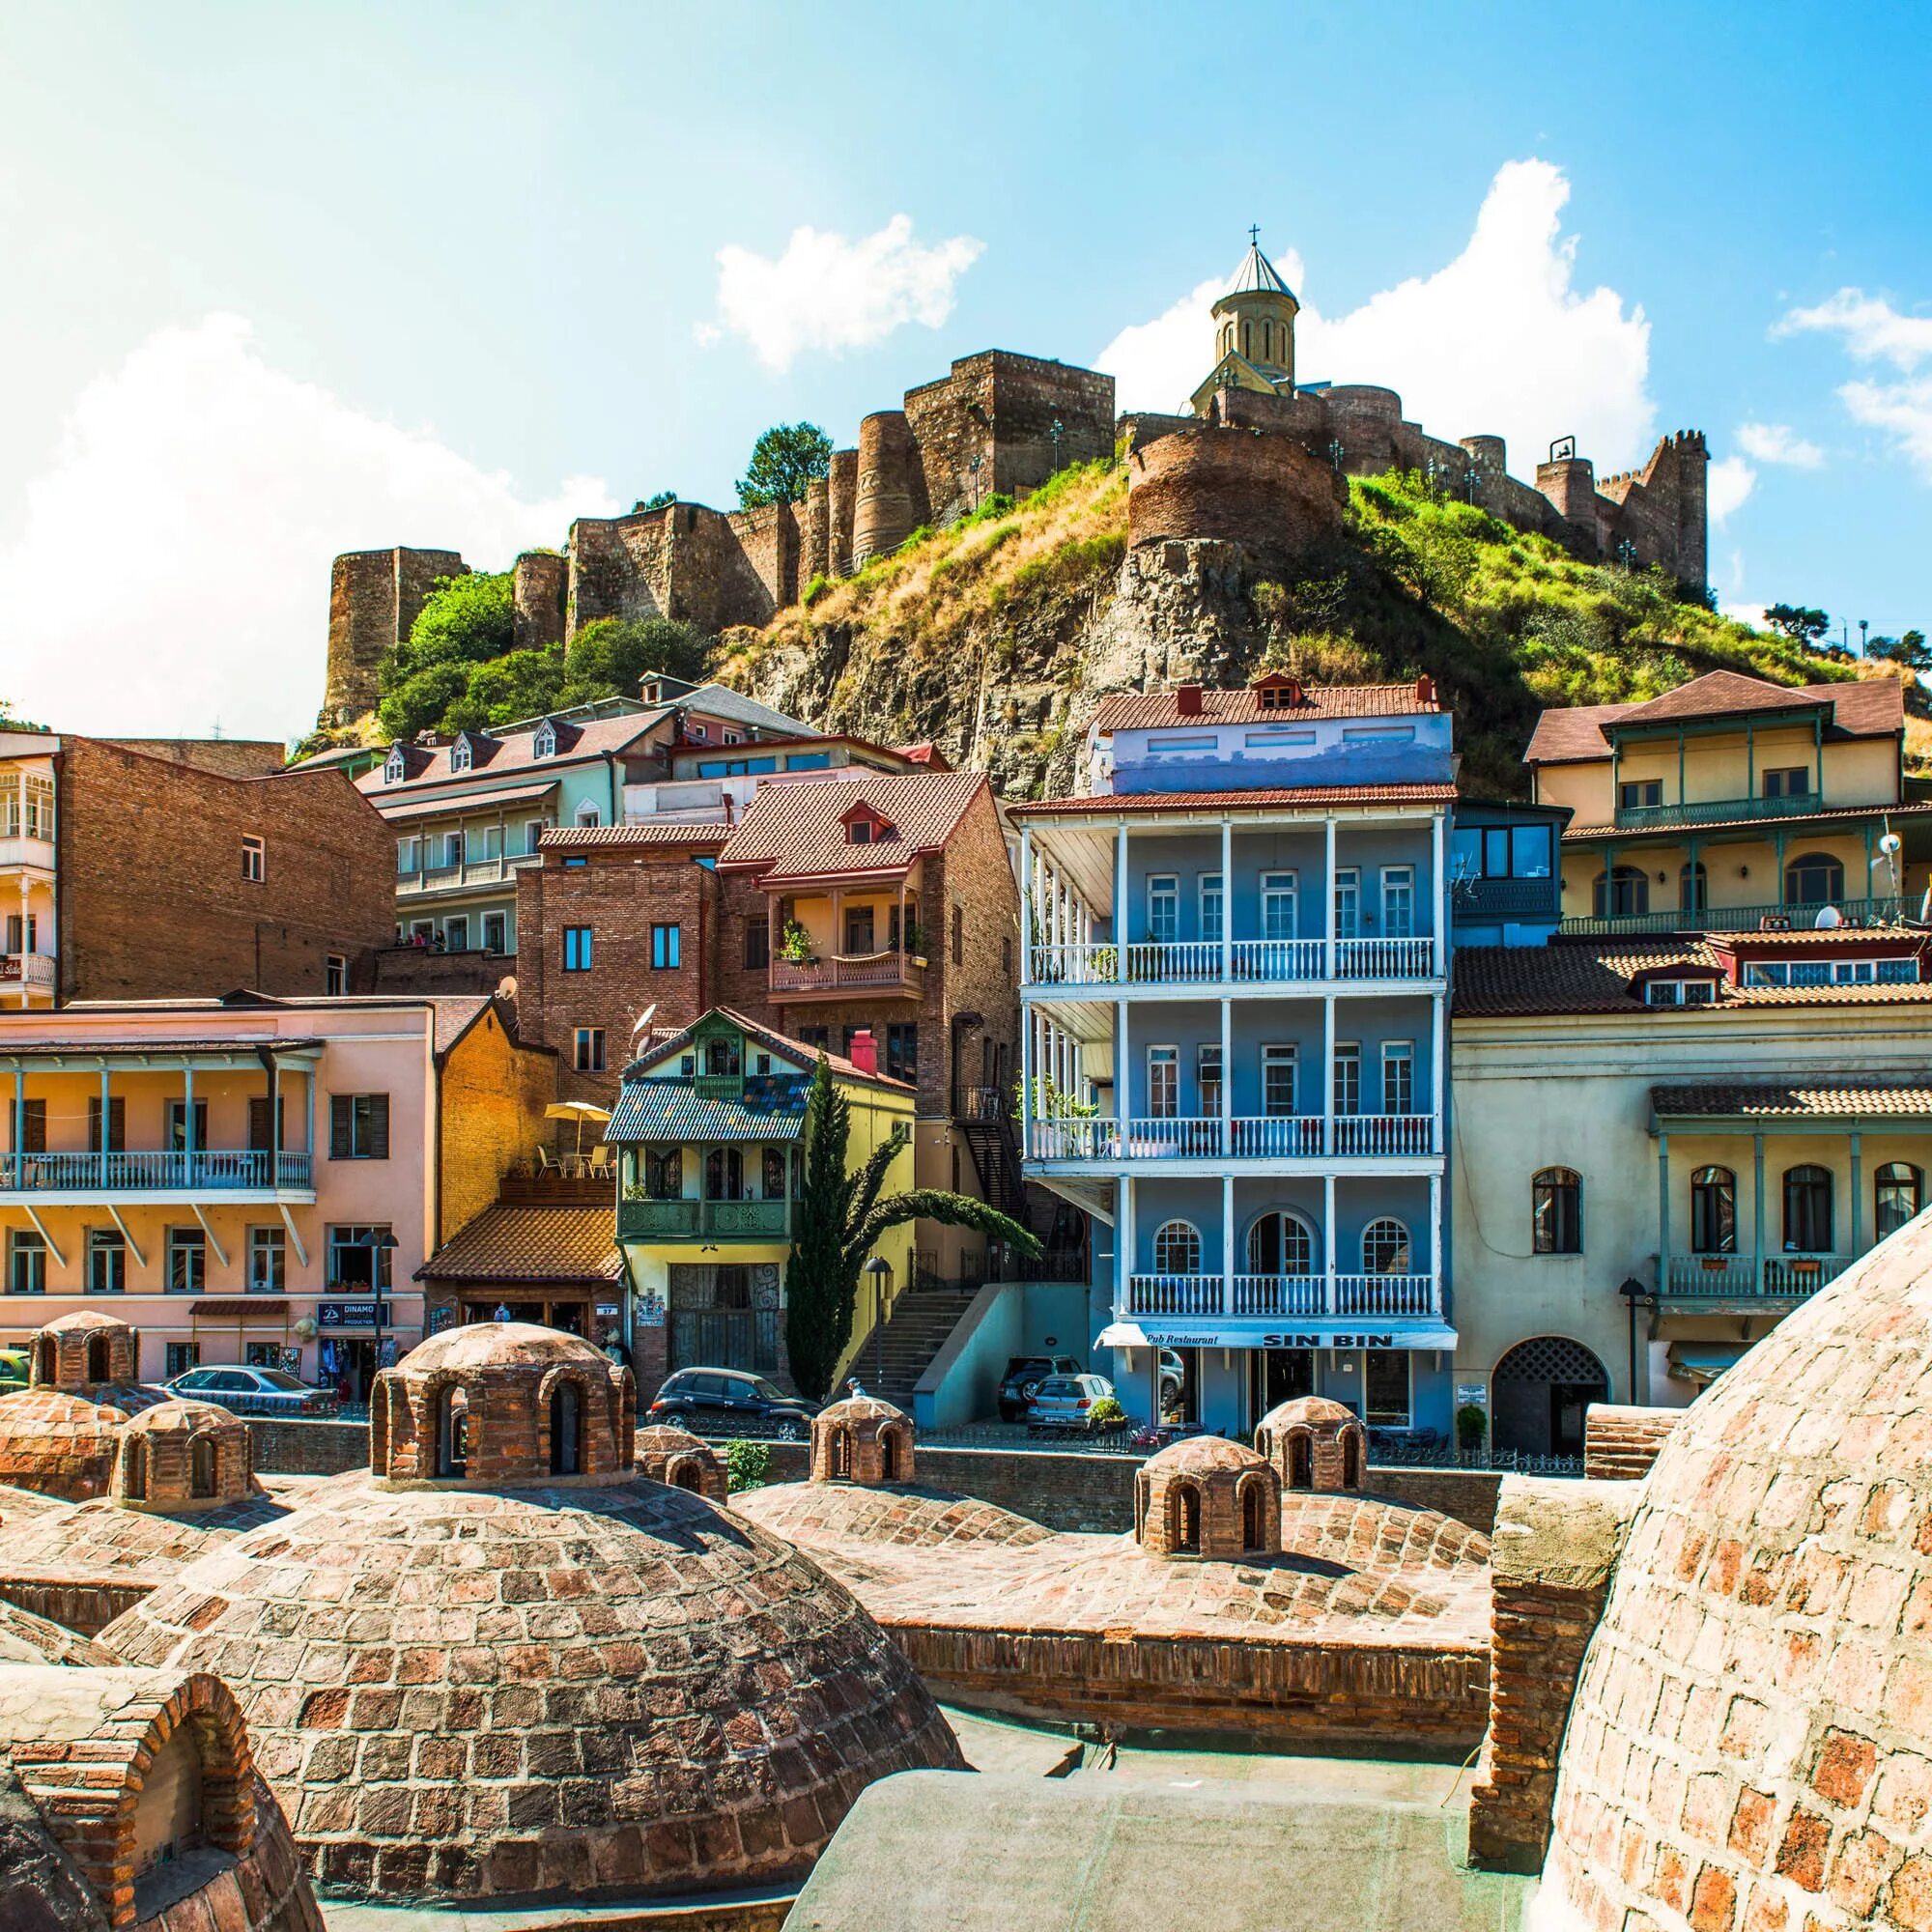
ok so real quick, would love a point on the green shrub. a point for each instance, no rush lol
(748, 1465)
(814, 590)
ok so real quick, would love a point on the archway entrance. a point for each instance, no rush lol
(1539, 1393)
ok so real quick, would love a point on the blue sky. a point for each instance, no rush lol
(276, 283)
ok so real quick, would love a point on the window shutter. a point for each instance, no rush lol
(258, 1126)
(35, 1139)
(340, 1131)
(94, 1124)
(378, 1126)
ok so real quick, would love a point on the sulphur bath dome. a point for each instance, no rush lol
(395, 1643)
(60, 1433)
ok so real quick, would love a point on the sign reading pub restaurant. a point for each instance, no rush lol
(1174, 1338)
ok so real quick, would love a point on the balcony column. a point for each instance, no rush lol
(1227, 932)
(1122, 1109)
(1124, 1241)
(188, 1123)
(1698, 895)
(1227, 1079)
(1120, 908)
(1439, 939)
(1026, 905)
(1858, 1247)
(1329, 1243)
(1227, 1242)
(1663, 1214)
(1438, 1099)
(1681, 801)
(106, 1124)
(20, 1127)
(1329, 917)
(838, 946)
(1436, 1242)
(1757, 1213)
(308, 1104)
(1327, 1077)
(1750, 760)
(1028, 1019)
(1778, 847)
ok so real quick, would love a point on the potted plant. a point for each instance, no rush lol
(1107, 1415)
(1472, 1425)
(795, 946)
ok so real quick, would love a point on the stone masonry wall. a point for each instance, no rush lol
(374, 597)
(1620, 1442)
(154, 904)
(540, 589)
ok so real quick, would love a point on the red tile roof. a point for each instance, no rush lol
(1311, 796)
(650, 832)
(514, 751)
(1870, 707)
(533, 1244)
(1886, 1098)
(798, 832)
(1143, 710)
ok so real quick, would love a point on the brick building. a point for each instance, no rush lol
(160, 869)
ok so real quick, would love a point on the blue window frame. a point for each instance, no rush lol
(577, 949)
(667, 945)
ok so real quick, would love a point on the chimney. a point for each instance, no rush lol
(1425, 689)
(1187, 700)
(864, 1051)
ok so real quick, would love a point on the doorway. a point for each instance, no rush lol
(1539, 1392)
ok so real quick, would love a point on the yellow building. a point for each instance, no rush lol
(1732, 804)
(710, 1130)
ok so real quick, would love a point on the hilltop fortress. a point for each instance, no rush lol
(1257, 463)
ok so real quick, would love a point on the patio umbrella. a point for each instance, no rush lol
(579, 1111)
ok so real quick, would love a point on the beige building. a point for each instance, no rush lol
(1731, 804)
(1659, 1147)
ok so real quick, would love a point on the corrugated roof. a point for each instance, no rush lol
(401, 811)
(1871, 707)
(1884, 1099)
(773, 1109)
(650, 832)
(798, 832)
(794, 1051)
(562, 1244)
(1148, 710)
(1312, 796)
(1256, 274)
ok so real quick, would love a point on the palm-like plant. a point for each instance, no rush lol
(841, 1220)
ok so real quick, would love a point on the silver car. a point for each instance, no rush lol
(1067, 1402)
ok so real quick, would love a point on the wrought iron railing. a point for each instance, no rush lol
(644, 1219)
(214, 1170)
(1715, 810)
(1794, 916)
(1772, 1278)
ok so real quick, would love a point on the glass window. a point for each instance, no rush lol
(254, 861)
(1347, 902)
(1385, 1389)
(1278, 1066)
(1163, 907)
(587, 814)
(577, 949)
(1398, 902)
(1693, 888)
(1813, 878)
(758, 943)
(181, 1357)
(1788, 782)
(723, 1173)
(1163, 1082)
(1557, 1211)
(1632, 794)
(1211, 907)
(409, 855)
(26, 1263)
(1385, 1247)
(666, 947)
(1399, 1076)
(903, 1051)
(1466, 853)
(663, 1173)
(774, 1166)
(1281, 1243)
(1808, 1210)
(1278, 897)
(1207, 1077)
(107, 1262)
(456, 934)
(268, 1261)
(1624, 894)
(358, 1126)
(1177, 1248)
(1680, 992)
(187, 1261)
(1714, 1211)
(589, 1056)
(496, 927)
(1347, 1077)
(334, 976)
(1897, 1190)
(1529, 852)
(351, 1262)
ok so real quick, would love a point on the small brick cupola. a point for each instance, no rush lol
(1207, 1498)
(862, 1439)
(1314, 1444)
(682, 1461)
(60, 1433)
(502, 1402)
(181, 1457)
(84, 1351)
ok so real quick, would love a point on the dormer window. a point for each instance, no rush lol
(461, 757)
(1277, 693)
(864, 826)
(398, 767)
(1832, 972)
(544, 744)
(1680, 992)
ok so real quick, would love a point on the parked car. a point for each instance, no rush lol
(730, 1402)
(13, 1370)
(256, 1392)
(1025, 1374)
(1172, 1379)
(1067, 1402)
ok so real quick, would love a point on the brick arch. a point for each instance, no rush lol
(697, 1474)
(426, 1408)
(589, 1444)
(1258, 1502)
(1185, 1518)
(379, 1408)
(627, 1418)
(131, 1472)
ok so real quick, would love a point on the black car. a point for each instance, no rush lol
(730, 1402)
(1025, 1374)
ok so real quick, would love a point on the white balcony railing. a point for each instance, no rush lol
(1244, 962)
(26, 969)
(1292, 1296)
(1276, 1136)
(213, 1171)
(1245, 1137)
(1384, 1133)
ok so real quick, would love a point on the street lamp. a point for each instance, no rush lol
(379, 1241)
(1335, 455)
(1625, 554)
(1864, 624)
(881, 1271)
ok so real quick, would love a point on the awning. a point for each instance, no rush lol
(1703, 1362)
(1324, 1334)
(466, 801)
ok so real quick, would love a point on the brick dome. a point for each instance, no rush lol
(1751, 1742)
(862, 1439)
(1206, 1496)
(1314, 1444)
(400, 1647)
(84, 1350)
(59, 1433)
(182, 1455)
(26, 1639)
(684, 1461)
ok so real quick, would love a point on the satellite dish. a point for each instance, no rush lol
(1829, 917)
(641, 1024)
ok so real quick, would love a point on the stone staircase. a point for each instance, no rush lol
(916, 1331)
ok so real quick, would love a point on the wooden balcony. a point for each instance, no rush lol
(641, 1220)
(217, 1173)
(892, 974)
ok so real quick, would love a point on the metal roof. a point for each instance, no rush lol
(772, 1109)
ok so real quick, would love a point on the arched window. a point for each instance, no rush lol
(1300, 1461)
(98, 1369)
(1813, 878)
(1557, 1211)
(134, 1468)
(1714, 1211)
(566, 1430)
(1187, 1518)
(842, 1453)
(1898, 1191)
(688, 1476)
(1280, 1243)
(1692, 889)
(1252, 1506)
(888, 1456)
(723, 1173)
(1177, 1248)
(201, 1466)
(1385, 1247)
(1808, 1210)
(1624, 894)
(167, 1819)
(49, 1359)
(1351, 1459)
(452, 1434)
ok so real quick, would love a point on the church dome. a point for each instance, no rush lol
(1751, 1737)
(398, 1645)
(1254, 318)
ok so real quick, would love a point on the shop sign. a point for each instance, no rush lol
(648, 1311)
(351, 1313)
(1472, 1395)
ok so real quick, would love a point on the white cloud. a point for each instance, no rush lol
(1873, 330)
(1778, 443)
(825, 292)
(1752, 614)
(1497, 342)
(1729, 481)
(172, 565)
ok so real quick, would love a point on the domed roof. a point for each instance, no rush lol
(861, 1408)
(489, 1345)
(63, 1445)
(26, 1639)
(659, 1438)
(1201, 1452)
(399, 1653)
(182, 1416)
(1766, 1649)
(79, 1320)
(1307, 1411)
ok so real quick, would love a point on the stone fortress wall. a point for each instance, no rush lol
(1260, 470)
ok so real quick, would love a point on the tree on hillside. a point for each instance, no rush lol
(661, 501)
(1908, 650)
(783, 460)
(465, 620)
(1799, 622)
(841, 1220)
(610, 655)
(520, 684)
